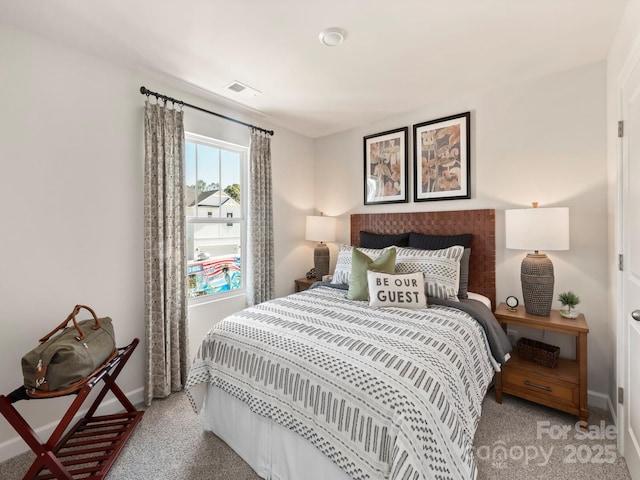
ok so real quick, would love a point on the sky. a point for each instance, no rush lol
(213, 163)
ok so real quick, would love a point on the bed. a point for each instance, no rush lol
(317, 386)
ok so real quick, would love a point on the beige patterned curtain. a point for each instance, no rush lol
(165, 295)
(260, 276)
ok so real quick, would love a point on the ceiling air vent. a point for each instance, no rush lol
(236, 87)
(242, 89)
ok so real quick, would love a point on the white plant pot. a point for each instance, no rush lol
(566, 313)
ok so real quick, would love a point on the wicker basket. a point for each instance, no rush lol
(538, 352)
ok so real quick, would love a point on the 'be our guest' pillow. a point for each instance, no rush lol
(396, 290)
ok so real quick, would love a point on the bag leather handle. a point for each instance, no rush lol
(72, 317)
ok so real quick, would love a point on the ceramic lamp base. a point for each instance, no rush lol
(536, 275)
(321, 260)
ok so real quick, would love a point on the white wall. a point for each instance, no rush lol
(542, 140)
(71, 203)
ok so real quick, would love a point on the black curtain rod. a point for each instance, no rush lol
(144, 91)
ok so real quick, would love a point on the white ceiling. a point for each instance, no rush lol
(398, 56)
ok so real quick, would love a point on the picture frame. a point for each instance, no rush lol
(385, 167)
(442, 158)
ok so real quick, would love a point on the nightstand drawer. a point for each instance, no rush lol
(551, 389)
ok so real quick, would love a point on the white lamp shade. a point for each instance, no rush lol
(321, 229)
(537, 228)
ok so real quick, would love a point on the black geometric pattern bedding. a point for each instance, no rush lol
(382, 392)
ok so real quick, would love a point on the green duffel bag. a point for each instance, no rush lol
(63, 362)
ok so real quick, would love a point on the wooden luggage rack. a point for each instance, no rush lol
(92, 445)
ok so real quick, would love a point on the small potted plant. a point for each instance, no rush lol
(568, 300)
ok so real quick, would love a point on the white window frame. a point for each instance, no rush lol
(244, 197)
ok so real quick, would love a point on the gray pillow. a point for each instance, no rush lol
(463, 288)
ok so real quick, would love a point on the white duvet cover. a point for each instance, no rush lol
(381, 392)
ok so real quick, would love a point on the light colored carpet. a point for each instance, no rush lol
(170, 444)
(524, 428)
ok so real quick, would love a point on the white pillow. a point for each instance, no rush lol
(441, 269)
(480, 298)
(401, 291)
(342, 272)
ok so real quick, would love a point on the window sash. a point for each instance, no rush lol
(223, 220)
(215, 220)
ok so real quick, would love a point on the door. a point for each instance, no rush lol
(629, 426)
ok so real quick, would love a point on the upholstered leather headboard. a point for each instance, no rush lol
(480, 223)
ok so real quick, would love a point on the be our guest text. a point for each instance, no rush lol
(401, 296)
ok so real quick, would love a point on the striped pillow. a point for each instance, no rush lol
(441, 269)
(342, 272)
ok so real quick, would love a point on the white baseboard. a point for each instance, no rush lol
(600, 400)
(613, 410)
(597, 399)
(16, 445)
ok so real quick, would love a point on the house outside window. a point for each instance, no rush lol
(215, 200)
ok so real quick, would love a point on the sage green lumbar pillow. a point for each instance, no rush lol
(361, 264)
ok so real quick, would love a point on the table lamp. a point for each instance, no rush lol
(321, 229)
(537, 229)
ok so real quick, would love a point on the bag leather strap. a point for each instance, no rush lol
(72, 317)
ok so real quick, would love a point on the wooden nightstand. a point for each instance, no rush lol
(563, 387)
(304, 283)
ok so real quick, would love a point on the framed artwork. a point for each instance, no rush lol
(442, 158)
(385, 167)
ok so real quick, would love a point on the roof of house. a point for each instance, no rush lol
(211, 198)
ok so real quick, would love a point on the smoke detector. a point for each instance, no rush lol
(242, 89)
(332, 37)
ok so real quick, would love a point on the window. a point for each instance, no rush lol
(216, 216)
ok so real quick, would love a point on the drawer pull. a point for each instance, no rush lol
(541, 387)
